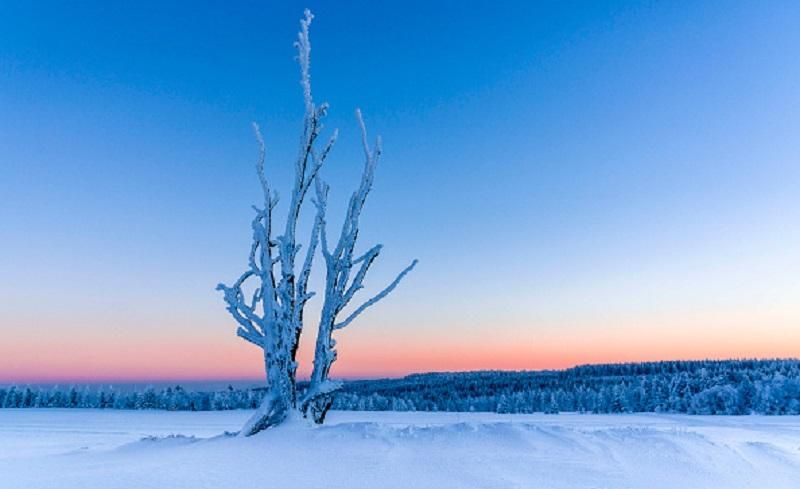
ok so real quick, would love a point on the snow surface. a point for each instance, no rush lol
(73, 448)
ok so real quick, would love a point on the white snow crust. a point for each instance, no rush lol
(88, 449)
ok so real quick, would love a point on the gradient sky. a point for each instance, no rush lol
(582, 182)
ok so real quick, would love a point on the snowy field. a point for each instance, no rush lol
(87, 449)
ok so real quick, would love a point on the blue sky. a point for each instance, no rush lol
(581, 181)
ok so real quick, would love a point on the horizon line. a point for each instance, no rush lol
(350, 378)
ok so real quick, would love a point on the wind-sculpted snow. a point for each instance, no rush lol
(90, 449)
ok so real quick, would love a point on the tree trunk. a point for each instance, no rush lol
(278, 401)
(317, 407)
(318, 398)
(271, 413)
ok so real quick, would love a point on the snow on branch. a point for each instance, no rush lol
(376, 298)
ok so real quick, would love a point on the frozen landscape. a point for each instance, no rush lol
(585, 216)
(87, 449)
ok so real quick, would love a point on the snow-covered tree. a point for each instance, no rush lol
(272, 315)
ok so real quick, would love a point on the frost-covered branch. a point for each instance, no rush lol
(375, 298)
(366, 261)
(321, 203)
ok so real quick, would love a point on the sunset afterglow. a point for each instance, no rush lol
(580, 185)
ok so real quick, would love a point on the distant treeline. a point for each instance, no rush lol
(694, 387)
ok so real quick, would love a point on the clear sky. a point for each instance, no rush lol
(582, 182)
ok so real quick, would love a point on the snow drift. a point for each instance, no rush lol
(124, 449)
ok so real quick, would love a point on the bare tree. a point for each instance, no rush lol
(271, 316)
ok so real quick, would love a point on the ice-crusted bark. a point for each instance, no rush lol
(271, 316)
(341, 285)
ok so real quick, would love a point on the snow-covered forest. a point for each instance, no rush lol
(693, 387)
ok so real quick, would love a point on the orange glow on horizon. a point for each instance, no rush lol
(121, 360)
